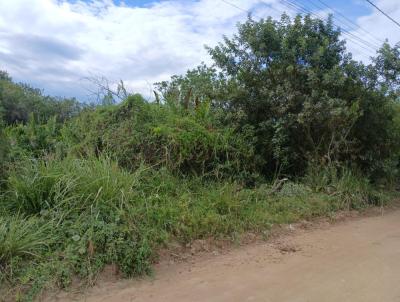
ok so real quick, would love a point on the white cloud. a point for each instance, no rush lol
(54, 43)
(376, 28)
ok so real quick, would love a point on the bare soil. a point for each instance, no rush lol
(355, 260)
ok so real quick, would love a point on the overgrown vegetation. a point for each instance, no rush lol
(285, 126)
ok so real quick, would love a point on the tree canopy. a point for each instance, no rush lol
(305, 97)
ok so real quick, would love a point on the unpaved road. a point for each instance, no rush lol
(355, 260)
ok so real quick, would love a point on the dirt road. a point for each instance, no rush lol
(355, 260)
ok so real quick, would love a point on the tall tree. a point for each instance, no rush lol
(304, 95)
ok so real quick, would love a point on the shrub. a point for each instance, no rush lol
(187, 142)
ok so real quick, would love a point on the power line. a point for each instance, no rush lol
(308, 11)
(387, 16)
(361, 43)
(351, 37)
(351, 22)
(235, 6)
(245, 10)
(362, 48)
(369, 43)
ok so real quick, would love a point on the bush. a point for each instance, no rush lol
(34, 139)
(187, 142)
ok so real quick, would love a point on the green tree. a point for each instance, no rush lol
(385, 70)
(199, 85)
(303, 94)
(20, 101)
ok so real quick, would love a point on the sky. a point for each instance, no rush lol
(56, 44)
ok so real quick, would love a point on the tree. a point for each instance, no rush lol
(19, 101)
(304, 95)
(386, 70)
(201, 84)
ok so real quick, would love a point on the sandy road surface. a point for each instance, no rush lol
(356, 260)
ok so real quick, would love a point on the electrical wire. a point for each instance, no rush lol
(350, 36)
(367, 47)
(349, 21)
(385, 14)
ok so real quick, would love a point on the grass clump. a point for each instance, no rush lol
(22, 238)
(352, 189)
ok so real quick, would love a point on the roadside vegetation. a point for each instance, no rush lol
(284, 126)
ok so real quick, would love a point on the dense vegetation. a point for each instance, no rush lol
(86, 186)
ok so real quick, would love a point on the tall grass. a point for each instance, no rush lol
(23, 237)
(352, 189)
(77, 215)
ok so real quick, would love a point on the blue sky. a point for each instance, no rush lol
(351, 8)
(57, 44)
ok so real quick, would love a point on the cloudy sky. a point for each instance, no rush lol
(55, 44)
